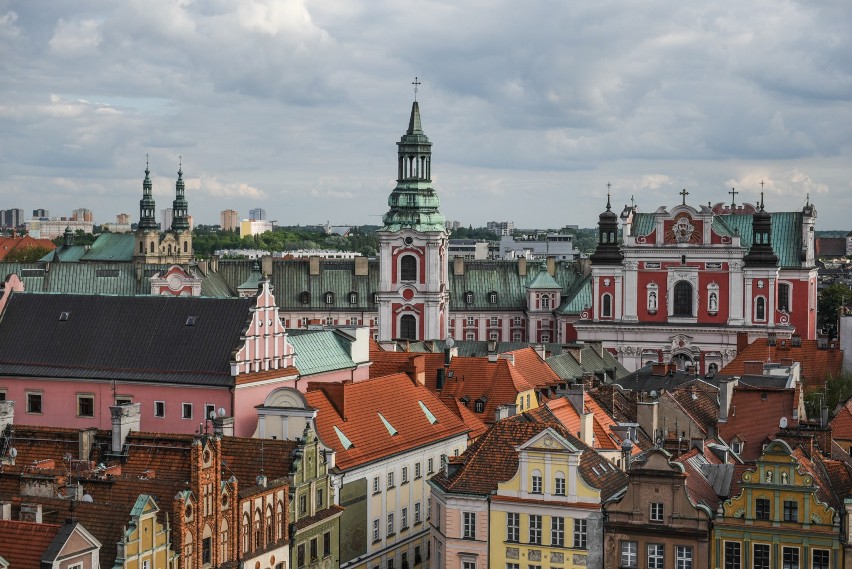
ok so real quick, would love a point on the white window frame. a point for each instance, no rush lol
(468, 525)
(656, 512)
(376, 530)
(417, 519)
(390, 479)
(656, 556)
(40, 395)
(581, 533)
(390, 524)
(183, 410)
(536, 483)
(557, 531)
(534, 530)
(163, 404)
(377, 485)
(629, 554)
(559, 484)
(513, 527)
(404, 475)
(683, 557)
(403, 519)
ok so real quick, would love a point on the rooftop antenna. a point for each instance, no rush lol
(416, 84)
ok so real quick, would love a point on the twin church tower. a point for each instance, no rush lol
(174, 244)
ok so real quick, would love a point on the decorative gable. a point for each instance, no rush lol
(177, 282)
(264, 343)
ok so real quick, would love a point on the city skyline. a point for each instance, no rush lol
(296, 108)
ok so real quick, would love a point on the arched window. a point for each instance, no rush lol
(682, 299)
(784, 297)
(305, 297)
(545, 301)
(187, 548)
(468, 297)
(223, 539)
(246, 533)
(353, 297)
(152, 246)
(279, 517)
(329, 297)
(760, 308)
(258, 534)
(559, 484)
(479, 406)
(408, 268)
(492, 297)
(606, 306)
(270, 527)
(408, 327)
(141, 247)
(186, 246)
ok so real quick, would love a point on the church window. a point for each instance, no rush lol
(305, 297)
(408, 327)
(185, 247)
(760, 308)
(270, 527)
(329, 297)
(606, 306)
(258, 536)
(152, 246)
(682, 299)
(408, 268)
(141, 247)
(784, 297)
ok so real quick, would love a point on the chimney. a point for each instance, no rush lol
(508, 357)
(588, 379)
(31, 513)
(361, 266)
(626, 452)
(314, 266)
(726, 391)
(85, 441)
(266, 265)
(575, 395)
(492, 358)
(505, 411)
(125, 418)
(448, 355)
(336, 393)
(648, 417)
(7, 414)
(439, 384)
(752, 368)
(551, 266)
(458, 266)
(522, 266)
(742, 341)
(223, 426)
(5, 511)
(539, 349)
(587, 428)
(417, 370)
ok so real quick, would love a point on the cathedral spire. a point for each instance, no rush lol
(180, 207)
(147, 206)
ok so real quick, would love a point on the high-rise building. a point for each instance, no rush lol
(229, 220)
(41, 213)
(166, 218)
(81, 214)
(257, 214)
(501, 227)
(11, 218)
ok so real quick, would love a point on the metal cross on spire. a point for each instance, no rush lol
(683, 193)
(608, 187)
(733, 193)
(416, 84)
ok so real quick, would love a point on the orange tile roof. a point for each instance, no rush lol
(355, 408)
(841, 424)
(817, 364)
(754, 417)
(23, 543)
(11, 244)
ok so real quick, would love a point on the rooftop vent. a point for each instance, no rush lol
(191, 320)
(63, 316)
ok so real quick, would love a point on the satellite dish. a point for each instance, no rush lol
(450, 342)
(222, 411)
(88, 498)
(212, 415)
(13, 452)
(783, 423)
(653, 393)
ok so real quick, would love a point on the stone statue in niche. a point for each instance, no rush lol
(714, 302)
(769, 477)
(652, 300)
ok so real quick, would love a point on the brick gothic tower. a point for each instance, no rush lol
(413, 293)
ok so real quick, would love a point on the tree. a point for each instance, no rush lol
(832, 300)
(837, 390)
(27, 255)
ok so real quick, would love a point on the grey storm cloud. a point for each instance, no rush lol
(532, 107)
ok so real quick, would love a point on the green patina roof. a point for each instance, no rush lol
(212, 284)
(786, 232)
(111, 247)
(566, 366)
(70, 254)
(484, 277)
(542, 279)
(319, 351)
(253, 280)
(578, 298)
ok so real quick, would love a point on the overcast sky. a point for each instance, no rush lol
(533, 107)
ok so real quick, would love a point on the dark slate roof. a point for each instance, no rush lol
(142, 338)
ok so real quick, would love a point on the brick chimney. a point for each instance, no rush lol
(752, 368)
(417, 370)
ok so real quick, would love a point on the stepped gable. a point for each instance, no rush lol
(144, 338)
(349, 418)
(817, 363)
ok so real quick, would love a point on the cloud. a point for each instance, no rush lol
(75, 38)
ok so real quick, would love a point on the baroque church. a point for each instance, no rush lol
(685, 284)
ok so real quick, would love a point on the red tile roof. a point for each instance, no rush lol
(841, 424)
(20, 244)
(817, 364)
(754, 417)
(355, 409)
(23, 543)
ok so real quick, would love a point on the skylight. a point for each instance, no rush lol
(388, 426)
(428, 413)
(344, 440)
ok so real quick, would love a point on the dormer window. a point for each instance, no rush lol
(329, 297)
(353, 297)
(305, 297)
(375, 298)
(492, 297)
(479, 406)
(468, 297)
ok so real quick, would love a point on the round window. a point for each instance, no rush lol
(409, 240)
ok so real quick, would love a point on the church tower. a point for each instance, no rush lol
(413, 293)
(147, 230)
(607, 282)
(180, 230)
(760, 270)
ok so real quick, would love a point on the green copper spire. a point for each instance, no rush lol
(414, 203)
(180, 207)
(147, 207)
